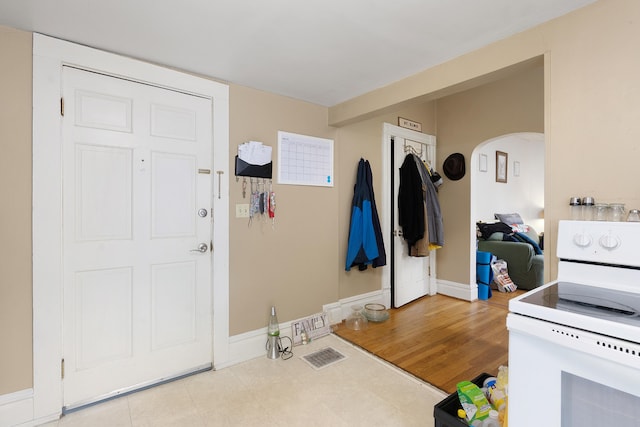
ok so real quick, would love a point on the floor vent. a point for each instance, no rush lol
(323, 358)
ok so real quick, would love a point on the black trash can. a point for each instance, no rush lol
(445, 413)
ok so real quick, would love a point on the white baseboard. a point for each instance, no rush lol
(16, 408)
(251, 345)
(458, 290)
(340, 310)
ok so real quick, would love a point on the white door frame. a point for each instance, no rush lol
(388, 131)
(49, 55)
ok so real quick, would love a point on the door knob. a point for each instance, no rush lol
(202, 247)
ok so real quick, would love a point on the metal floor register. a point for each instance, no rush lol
(324, 357)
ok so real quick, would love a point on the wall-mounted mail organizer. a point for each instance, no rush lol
(254, 160)
(255, 171)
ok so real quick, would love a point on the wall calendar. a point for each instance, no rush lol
(305, 160)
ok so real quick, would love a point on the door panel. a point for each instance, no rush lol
(171, 122)
(103, 310)
(104, 210)
(137, 298)
(174, 314)
(173, 200)
(101, 111)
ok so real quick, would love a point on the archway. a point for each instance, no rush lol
(523, 191)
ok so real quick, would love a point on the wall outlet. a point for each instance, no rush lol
(242, 210)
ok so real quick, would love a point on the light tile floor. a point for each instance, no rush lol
(360, 390)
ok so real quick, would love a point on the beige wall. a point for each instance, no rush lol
(591, 109)
(590, 105)
(290, 265)
(466, 119)
(15, 215)
(363, 139)
(298, 265)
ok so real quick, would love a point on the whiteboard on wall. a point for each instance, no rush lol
(305, 160)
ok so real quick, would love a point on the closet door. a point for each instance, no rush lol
(413, 277)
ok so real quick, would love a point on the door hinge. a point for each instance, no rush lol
(62, 107)
(211, 245)
(62, 369)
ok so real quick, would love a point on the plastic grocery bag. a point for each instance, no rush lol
(473, 401)
(501, 276)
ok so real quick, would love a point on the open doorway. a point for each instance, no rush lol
(515, 186)
(409, 277)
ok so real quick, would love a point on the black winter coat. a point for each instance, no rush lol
(411, 202)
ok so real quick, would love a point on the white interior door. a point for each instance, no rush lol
(413, 277)
(136, 258)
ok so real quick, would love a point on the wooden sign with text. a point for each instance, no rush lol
(315, 326)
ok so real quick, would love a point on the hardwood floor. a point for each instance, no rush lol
(439, 339)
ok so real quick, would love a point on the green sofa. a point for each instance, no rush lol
(526, 269)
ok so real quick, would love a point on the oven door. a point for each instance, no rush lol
(562, 376)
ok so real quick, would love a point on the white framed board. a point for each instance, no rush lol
(305, 160)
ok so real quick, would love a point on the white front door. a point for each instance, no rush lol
(413, 277)
(137, 224)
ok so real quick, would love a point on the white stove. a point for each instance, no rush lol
(575, 342)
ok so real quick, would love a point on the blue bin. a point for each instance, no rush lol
(484, 291)
(483, 257)
(484, 274)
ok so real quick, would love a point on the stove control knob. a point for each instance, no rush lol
(609, 242)
(582, 240)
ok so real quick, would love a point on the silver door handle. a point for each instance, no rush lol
(202, 247)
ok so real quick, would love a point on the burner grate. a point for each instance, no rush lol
(324, 357)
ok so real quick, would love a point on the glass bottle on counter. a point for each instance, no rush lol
(616, 212)
(601, 212)
(575, 209)
(634, 215)
(588, 208)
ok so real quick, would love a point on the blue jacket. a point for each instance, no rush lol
(365, 245)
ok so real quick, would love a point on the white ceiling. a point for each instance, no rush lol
(324, 52)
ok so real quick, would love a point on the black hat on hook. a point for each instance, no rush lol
(453, 167)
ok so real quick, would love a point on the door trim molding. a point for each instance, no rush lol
(49, 55)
